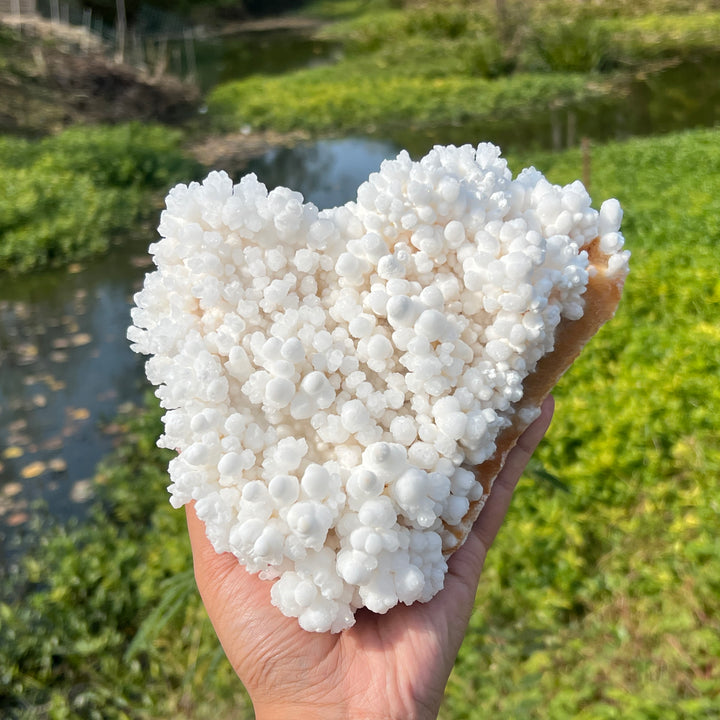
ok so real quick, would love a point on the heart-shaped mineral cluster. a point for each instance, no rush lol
(330, 377)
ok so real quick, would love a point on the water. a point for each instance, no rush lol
(66, 368)
(67, 371)
(326, 172)
(230, 57)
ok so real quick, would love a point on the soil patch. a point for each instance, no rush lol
(47, 85)
(233, 151)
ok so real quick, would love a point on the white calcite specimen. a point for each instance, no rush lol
(330, 376)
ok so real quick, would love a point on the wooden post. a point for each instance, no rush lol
(120, 28)
(571, 128)
(161, 58)
(504, 29)
(55, 11)
(190, 53)
(87, 26)
(556, 130)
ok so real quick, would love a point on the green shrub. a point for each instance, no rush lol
(64, 198)
(657, 35)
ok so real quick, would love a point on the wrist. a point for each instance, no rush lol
(336, 712)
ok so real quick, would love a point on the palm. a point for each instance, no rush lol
(392, 665)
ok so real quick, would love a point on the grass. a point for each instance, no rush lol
(430, 63)
(329, 99)
(109, 624)
(600, 598)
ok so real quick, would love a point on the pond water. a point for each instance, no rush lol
(67, 371)
(66, 366)
(268, 52)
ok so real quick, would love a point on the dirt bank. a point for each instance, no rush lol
(49, 83)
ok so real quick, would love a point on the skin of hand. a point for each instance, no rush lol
(387, 666)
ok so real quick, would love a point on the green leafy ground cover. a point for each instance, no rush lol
(103, 619)
(603, 602)
(431, 63)
(65, 197)
(599, 600)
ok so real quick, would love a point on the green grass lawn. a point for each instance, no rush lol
(599, 600)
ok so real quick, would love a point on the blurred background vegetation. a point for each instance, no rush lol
(600, 599)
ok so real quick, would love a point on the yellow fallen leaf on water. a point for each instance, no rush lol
(27, 353)
(80, 339)
(53, 383)
(79, 413)
(70, 323)
(13, 452)
(74, 268)
(58, 356)
(21, 309)
(81, 491)
(12, 489)
(52, 443)
(57, 465)
(33, 470)
(140, 261)
(60, 343)
(113, 428)
(39, 401)
(17, 518)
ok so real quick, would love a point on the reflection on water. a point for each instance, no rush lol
(66, 371)
(326, 172)
(229, 57)
(675, 96)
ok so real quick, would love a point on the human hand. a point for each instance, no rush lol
(394, 665)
